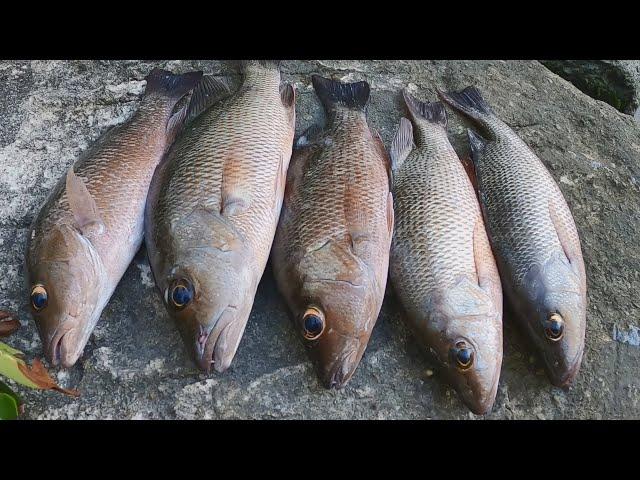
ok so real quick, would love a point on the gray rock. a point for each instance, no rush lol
(135, 365)
(616, 82)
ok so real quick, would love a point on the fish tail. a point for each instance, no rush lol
(209, 91)
(469, 102)
(333, 94)
(171, 85)
(433, 112)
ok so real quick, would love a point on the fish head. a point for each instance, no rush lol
(207, 289)
(464, 335)
(65, 292)
(556, 318)
(335, 309)
(335, 322)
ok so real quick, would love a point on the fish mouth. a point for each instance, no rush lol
(215, 345)
(481, 404)
(562, 378)
(341, 371)
(60, 350)
(205, 345)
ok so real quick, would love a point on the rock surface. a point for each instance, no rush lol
(135, 365)
(616, 82)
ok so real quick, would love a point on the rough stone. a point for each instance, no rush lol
(616, 82)
(135, 365)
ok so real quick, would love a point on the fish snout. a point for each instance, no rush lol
(341, 371)
(480, 403)
(562, 347)
(477, 381)
(63, 349)
(562, 373)
(215, 343)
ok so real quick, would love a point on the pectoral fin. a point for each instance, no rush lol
(83, 206)
(390, 214)
(486, 269)
(567, 236)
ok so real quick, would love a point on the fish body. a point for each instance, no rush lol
(214, 205)
(534, 238)
(331, 251)
(441, 266)
(91, 225)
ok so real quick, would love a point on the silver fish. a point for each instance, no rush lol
(534, 238)
(441, 267)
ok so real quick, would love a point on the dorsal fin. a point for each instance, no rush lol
(83, 206)
(377, 141)
(470, 168)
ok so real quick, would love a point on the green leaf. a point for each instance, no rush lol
(13, 366)
(8, 407)
(10, 363)
(4, 388)
(11, 351)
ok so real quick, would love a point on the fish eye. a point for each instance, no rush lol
(181, 292)
(312, 323)
(39, 297)
(554, 327)
(462, 354)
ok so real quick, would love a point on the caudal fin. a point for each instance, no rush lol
(333, 94)
(433, 112)
(469, 102)
(171, 85)
(209, 91)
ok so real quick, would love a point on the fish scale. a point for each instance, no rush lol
(207, 150)
(519, 214)
(327, 197)
(423, 193)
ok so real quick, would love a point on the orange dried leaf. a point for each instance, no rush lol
(39, 375)
(8, 323)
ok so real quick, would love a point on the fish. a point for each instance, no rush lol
(441, 267)
(331, 251)
(214, 205)
(533, 235)
(87, 232)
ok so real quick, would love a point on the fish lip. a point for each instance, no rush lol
(480, 405)
(342, 371)
(204, 347)
(566, 377)
(57, 353)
